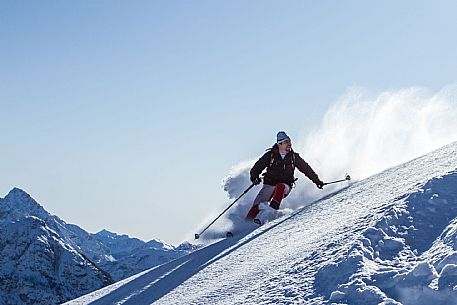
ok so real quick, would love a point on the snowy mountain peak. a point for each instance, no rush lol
(39, 265)
(109, 237)
(106, 234)
(158, 244)
(17, 193)
(44, 260)
(19, 203)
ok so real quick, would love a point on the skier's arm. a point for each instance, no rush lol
(260, 165)
(307, 170)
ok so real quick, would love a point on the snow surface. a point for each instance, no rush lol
(389, 239)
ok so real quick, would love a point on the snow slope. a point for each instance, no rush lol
(389, 239)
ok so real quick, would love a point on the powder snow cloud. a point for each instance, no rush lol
(363, 133)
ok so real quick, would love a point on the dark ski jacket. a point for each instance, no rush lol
(282, 170)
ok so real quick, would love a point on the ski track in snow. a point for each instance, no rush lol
(377, 241)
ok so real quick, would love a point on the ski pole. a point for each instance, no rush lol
(347, 178)
(197, 235)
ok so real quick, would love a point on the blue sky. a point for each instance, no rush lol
(127, 115)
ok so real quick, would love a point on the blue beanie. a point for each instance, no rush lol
(281, 136)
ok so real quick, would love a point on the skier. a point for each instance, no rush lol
(280, 162)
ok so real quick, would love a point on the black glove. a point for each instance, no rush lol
(256, 180)
(319, 184)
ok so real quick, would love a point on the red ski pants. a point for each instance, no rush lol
(267, 193)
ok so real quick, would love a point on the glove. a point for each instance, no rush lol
(319, 184)
(256, 180)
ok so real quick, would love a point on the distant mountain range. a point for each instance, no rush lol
(44, 260)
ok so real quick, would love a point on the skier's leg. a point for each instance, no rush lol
(253, 212)
(264, 195)
(268, 211)
(281, 191)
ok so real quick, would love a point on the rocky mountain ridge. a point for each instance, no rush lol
(44, 260)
